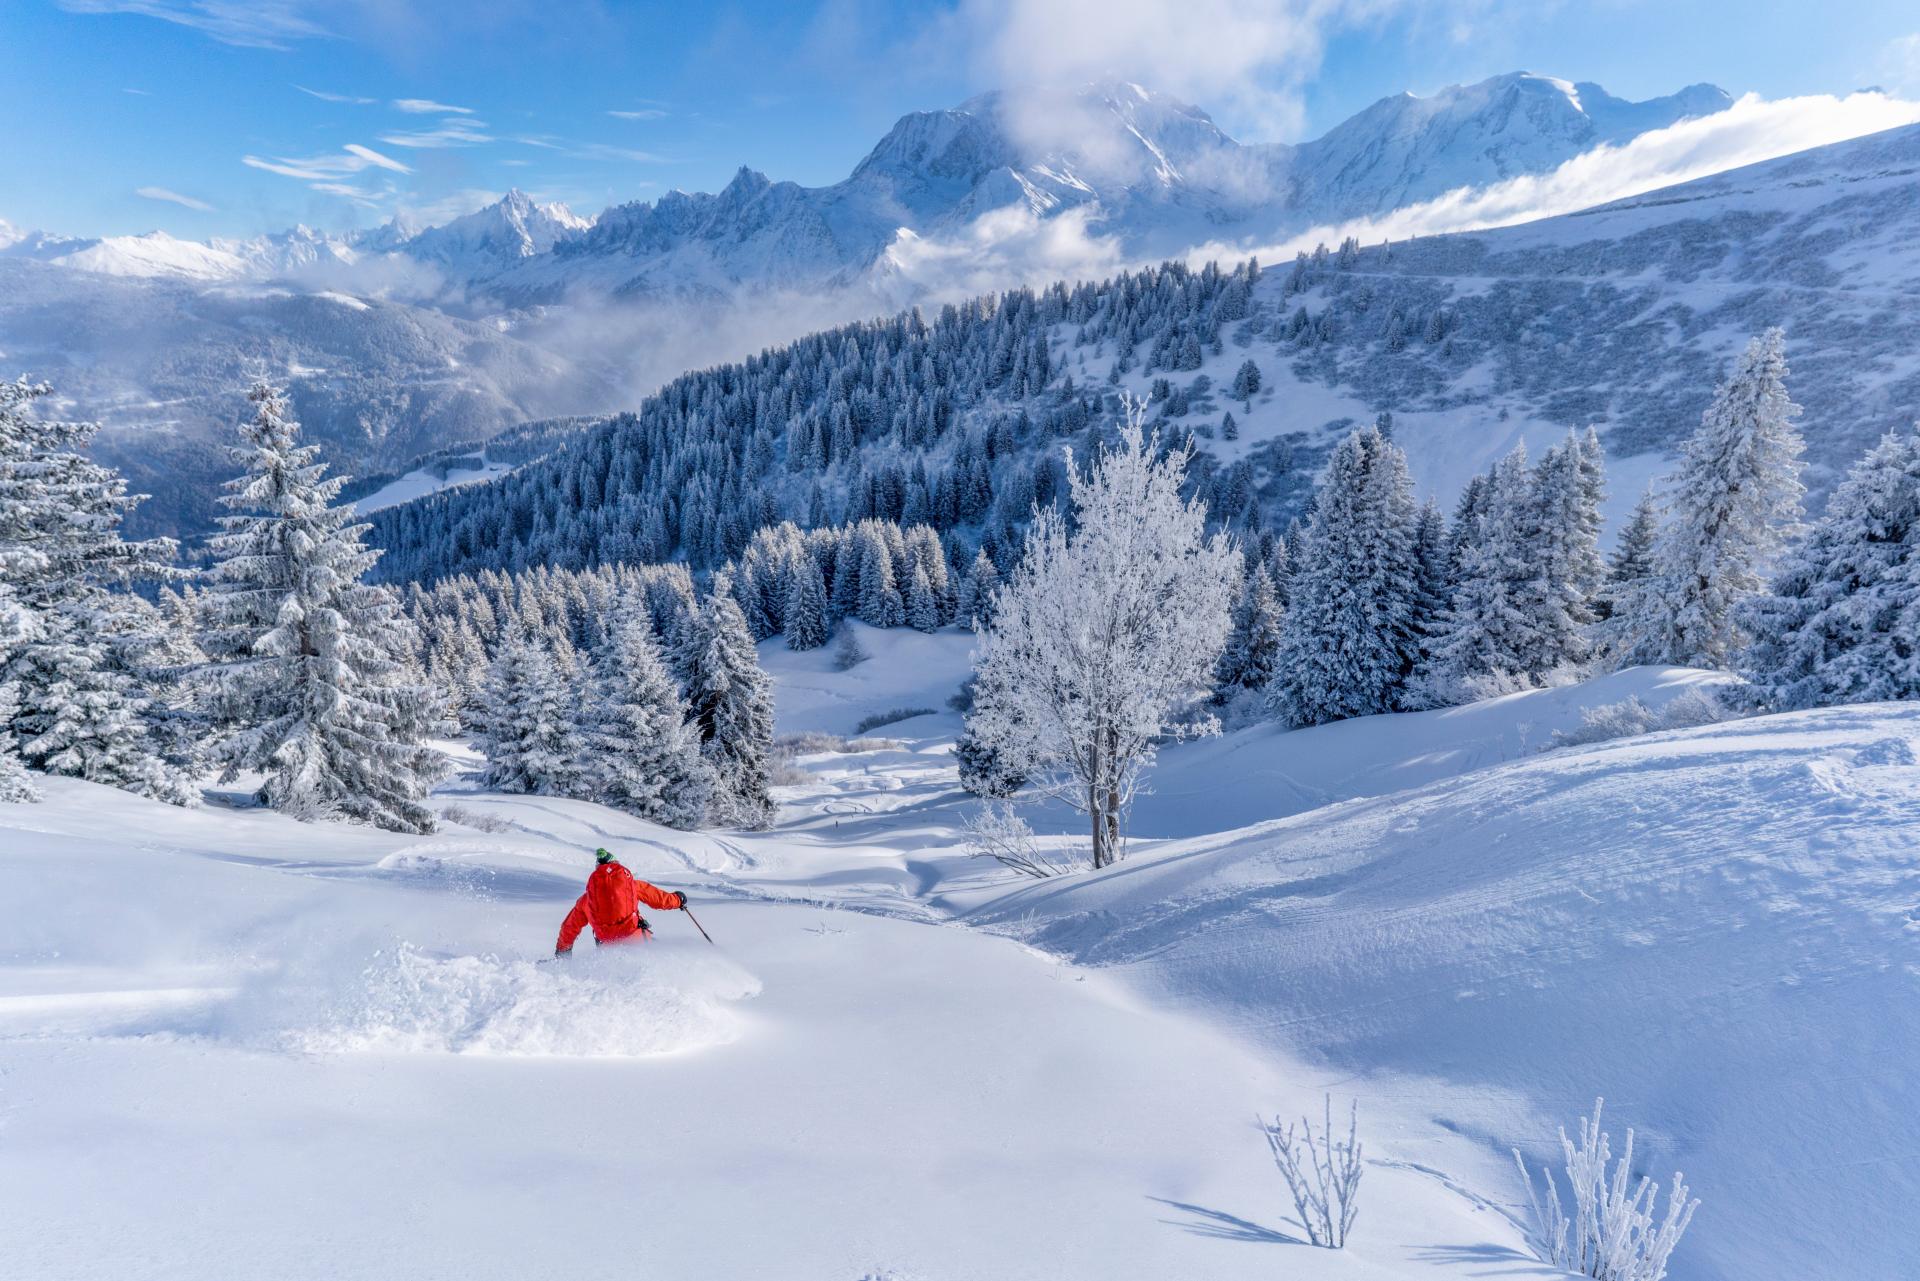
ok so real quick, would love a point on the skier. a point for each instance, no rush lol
(611, 905)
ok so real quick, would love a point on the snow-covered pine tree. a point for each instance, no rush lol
(1102, 636)
(78, 703)
(923, 611)
(1252, 651)
(807, 626)
(977, 591)
(1842, 623)
(1569, 488)
(638, 753)
(1733, 506)
(1434, 556)
(312, 669)
(532, 739)
(16, 628)
(1632, 558)
(731, 702)
(1350, 636)
(1493, 636)
(1246, 382)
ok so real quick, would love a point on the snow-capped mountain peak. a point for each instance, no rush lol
(512, 228)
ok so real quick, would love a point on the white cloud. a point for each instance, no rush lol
(589, 150)
(325, 173)
(324, 96)
(643, 113)
(138, 93)
(1752, 130)
(173, 197)
(1248, 59)
(255, 24)
(428, 107)
(455, 131)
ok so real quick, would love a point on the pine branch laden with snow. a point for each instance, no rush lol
(80, 702)
(1613, 1232)
(16, 627)
(1842, 622)
(1103, 635)
(995, 831)
(1735, 505)
(312, 669)
(1322, 1173)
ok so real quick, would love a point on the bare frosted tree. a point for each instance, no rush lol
(1322, 1173)
(1613, 1233)
(994, 831)
(1105, 632)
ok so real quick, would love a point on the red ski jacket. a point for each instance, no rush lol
(611, 906)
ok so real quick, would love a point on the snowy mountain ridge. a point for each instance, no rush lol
(1153, 170)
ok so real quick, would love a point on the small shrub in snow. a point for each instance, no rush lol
(788, 746)
(849, 653)
(1630, 716)
(1612, 1234)
(996, 832)
(476, 819)
(1322, 1173)
(890, 717)
(873, 745)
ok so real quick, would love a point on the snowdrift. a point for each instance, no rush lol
(1714, 928)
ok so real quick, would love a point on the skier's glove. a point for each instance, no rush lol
(682, 896)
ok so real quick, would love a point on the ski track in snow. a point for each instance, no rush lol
(1423, 912)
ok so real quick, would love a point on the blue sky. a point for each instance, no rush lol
(231, 117)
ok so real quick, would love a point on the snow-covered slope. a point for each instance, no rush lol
(347, 1030)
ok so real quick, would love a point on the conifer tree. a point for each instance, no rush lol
(638, 753)
(1246, 382)
(1252, 653)
(807, 625)
(16, 627)
(731, 702)
(975, 607)
(312, 669)
(1734, 505)
(1632, 558)
(78, 702)
(923, 611)
(1493, 636)
(1842, 623)
(1351, 632)
(532, 741)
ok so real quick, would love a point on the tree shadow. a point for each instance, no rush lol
(1222, 1226)
(1517, 1262)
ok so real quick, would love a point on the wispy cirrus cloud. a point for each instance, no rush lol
(324, 96)
(428, 107)
(589, 150)
(251, 24)
(455, 131)
(173, 197)
(350, 160)
(641, 113)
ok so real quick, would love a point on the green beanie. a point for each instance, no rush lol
(603, 856)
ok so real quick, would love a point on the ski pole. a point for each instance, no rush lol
(696, 925)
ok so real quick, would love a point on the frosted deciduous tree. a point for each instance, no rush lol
(1102, 635)
(1733, 506)
(1351, 634)
(638, 753)
(312, 671)
(731, 702)
(1842, 623)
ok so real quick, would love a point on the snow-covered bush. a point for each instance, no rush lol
(1322, 1173)
(891, 716)
(1630, 716)
(849, 653)
(994, 831)
(478, 820)
(1613, 1233)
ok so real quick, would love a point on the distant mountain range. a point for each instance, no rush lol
(1152, 171)
(398, 340)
